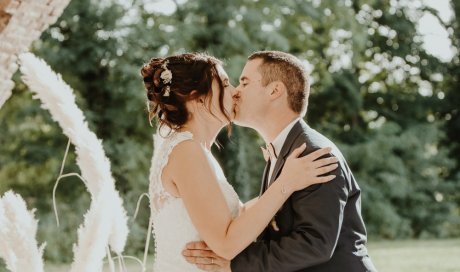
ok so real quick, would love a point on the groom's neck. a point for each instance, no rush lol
(275, 123)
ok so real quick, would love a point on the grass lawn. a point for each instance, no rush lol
(388, 256)
(416, 256)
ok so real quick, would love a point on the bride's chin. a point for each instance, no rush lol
(225, 124)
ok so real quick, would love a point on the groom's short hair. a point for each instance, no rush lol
(284, 67)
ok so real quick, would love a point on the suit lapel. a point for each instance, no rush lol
(263, 186)
(285, 150)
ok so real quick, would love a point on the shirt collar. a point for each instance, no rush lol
(281, 138)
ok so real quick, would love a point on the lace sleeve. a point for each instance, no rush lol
(162, 149)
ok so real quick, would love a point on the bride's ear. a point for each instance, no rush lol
(193, 93)
(199, 99)
(194, 103)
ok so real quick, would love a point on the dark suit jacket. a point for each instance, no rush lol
(320, 227)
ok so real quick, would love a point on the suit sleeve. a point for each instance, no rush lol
(318, 215)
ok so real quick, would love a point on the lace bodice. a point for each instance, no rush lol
(172, 226)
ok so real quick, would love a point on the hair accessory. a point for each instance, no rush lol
(166, 75)
(167, 91)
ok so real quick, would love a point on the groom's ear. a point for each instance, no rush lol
(277, 89)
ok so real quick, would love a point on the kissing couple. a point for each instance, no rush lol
(308, 214)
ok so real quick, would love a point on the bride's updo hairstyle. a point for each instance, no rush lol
(170, 83)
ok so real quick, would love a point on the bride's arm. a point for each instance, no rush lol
(197, 184)
(248, 205)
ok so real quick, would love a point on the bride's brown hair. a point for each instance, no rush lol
(168, 94)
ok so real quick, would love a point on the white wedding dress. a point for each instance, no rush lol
(172, 226)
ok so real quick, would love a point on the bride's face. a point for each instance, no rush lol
(227, 101)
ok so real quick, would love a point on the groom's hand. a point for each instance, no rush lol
(199, 254)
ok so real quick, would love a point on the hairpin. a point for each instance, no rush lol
(167, 91)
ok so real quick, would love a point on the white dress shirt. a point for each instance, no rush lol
(277, 145)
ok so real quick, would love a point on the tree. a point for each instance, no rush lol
(371, 77)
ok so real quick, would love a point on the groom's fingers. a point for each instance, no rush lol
(207, 261)
(197, 245)
(198, 253)
(216, 264)
(208, 267)
(201, 260)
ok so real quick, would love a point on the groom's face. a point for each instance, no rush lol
(250, 97)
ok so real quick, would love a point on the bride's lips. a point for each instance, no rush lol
(234, 109)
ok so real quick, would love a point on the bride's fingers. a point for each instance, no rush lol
(318, 153)
(324, 179)
(326, 169)
(323, 162)
(296, 153)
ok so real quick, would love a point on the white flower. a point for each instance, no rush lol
(166, 75)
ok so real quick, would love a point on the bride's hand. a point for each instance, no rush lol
(299, 173)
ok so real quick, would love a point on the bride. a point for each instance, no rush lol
(191, 98)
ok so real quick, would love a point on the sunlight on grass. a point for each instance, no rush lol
(416, 256)
(388, 256)
(132, 266)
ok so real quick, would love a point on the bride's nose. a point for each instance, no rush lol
(234, 92)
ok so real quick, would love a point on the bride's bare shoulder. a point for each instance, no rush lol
(188, 147)
(188, 154)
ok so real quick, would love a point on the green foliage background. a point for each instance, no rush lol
(392, 108)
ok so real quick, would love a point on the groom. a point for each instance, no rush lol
(319, 228)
